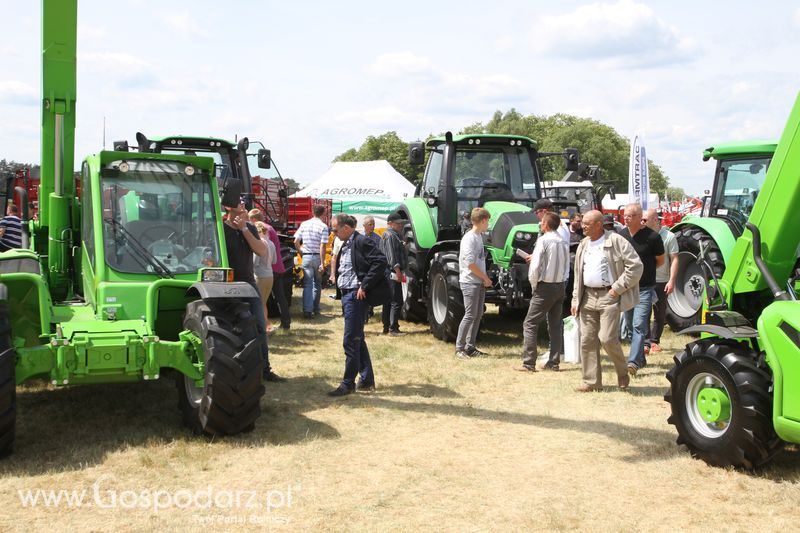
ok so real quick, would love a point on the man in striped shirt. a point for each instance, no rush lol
(10, 230)
(310, 240)
(547, 273)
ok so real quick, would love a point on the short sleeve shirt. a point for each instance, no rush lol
(670, 248)
(648, 245)
(240, 256)
(471, 251)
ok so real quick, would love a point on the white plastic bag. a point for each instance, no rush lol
(572, 341)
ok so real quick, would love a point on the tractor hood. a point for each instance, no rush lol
(510, 226)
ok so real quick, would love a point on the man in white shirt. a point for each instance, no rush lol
(310, 240)
(607, 272)
(547, 274)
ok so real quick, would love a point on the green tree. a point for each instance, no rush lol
(389, 147)
(675, 193)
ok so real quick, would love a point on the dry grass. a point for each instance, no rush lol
(443, 444)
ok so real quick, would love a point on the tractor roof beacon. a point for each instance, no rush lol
(498, 172)
(734, 393)
(741, 168)
(129, 280)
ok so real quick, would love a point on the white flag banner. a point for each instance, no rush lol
(638, 176)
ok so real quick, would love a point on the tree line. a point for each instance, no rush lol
(598, 144)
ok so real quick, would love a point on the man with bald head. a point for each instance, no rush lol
(650, 249)
(607, 272)
(665, 278)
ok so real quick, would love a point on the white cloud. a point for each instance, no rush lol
(796, 17)
(18, 93)
(622, 34)
(399, 64)
(185, 25)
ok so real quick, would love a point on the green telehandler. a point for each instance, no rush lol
(734, 393)
(741, 168)
(130, 279)
(498, 172)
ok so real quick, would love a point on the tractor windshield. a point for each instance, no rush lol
(160, 210)
(497, 174)
(571, 199)
(738, 184)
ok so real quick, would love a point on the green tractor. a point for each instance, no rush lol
(740, 173)
(235, 160)
(498, 172)
(734, 393)
(130, 280)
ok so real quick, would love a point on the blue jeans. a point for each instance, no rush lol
(312, 283)
(357, 360)
(257, 310)
(638, 319)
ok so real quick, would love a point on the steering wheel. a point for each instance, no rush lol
(144, 237)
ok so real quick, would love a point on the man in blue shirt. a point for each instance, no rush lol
(10, 230)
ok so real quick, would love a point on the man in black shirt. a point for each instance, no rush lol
(650, 248)
(241, 242)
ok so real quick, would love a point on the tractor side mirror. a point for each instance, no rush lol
(143, 142)
(231, 193)
(121, 146)
(264, 158)
(416, 153)
(571, 159)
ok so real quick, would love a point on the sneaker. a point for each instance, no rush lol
(341, 390)
(477, 353)
(655, 348)
(362, 387)
(550, 366)
(632, 370)
(461, 354)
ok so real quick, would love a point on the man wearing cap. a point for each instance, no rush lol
(542, 206)
(395, 252)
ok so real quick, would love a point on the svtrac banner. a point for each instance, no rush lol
(638, 176)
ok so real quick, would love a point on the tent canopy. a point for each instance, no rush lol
(361, 188)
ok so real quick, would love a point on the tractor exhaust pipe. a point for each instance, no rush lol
(777, 292)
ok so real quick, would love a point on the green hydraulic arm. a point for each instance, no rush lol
(53, 231)
(776, 212)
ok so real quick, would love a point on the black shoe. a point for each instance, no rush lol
(477, 353)
(273, 377)
(550, 366)
(286, 325)
(306, 314)
(341, 390)
(364, 387)
(386, 332)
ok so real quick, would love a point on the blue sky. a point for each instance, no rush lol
(311, 79)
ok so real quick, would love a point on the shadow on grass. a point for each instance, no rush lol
(75, 428)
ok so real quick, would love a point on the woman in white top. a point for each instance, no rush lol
(262, 269)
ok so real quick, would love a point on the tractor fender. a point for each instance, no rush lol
(716, 228)
(208, 290)
(418, 213)
(739, 332)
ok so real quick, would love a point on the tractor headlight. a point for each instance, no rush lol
(218, 275)
(519, 236)
(528, 236)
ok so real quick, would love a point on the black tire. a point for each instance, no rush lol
(445, 301)
(228, 403)
(8, 384)
(746, 438)
(413, 301)
(685, 303)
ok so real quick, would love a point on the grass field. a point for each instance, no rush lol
(443, 444)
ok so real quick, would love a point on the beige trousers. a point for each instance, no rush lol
(599, 323)
(265, 288)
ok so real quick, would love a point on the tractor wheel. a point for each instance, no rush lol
(413, 304)
(686, 301)
(721, 398)
(445, 301)
(228, 403)
(8, 384)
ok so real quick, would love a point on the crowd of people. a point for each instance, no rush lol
(611, 278)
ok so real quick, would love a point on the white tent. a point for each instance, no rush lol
(361, 188)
